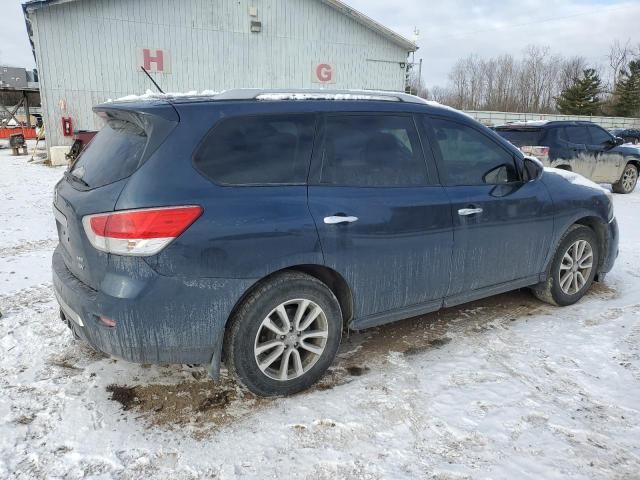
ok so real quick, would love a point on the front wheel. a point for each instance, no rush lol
(573, 268)
(628, 181)
(284, 336)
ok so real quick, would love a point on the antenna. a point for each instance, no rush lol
(151, 78)
(416, 34)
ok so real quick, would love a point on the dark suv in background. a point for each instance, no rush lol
(629, 135)
(581, 147)
(250, 227)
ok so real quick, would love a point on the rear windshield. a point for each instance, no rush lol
(114, 153)
(521, 138)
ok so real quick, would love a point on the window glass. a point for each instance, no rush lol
(262, 150)
(372, 150)
(113, 154)
(598, 135)
(574, 134)
(471, 158)
(521, 137)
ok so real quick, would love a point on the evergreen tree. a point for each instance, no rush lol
(583, 96)
(627, 92)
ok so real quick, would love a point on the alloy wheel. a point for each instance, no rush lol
(629, 178)
(576, 266)
(291, 339)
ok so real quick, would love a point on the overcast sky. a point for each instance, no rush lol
(451, 29)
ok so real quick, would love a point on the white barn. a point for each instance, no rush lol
(88, 51)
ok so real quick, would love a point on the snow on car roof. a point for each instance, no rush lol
(287, 95)
(151, 95)
(525, 123)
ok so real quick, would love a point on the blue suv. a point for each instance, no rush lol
(252, 227)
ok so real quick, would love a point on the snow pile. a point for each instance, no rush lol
(151, 95)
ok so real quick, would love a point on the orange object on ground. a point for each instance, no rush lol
(29, 133)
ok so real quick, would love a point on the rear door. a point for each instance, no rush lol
(384, 224)
(502, 226)
(94, 183)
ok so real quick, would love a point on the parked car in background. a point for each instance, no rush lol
(251, 227)
(629, 135)
(581, 147)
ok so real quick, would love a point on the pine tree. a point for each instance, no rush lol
(627, 92)
(583, 96)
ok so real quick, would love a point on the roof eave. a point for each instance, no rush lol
(32, 5)
(368, 22)
(343, 8)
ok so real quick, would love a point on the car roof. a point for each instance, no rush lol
(247, 95)
(540, 124)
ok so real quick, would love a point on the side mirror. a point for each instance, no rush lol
(614, 142)
(533, 169)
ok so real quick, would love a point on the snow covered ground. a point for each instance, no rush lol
(504, 388)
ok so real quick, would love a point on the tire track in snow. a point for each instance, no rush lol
(37, 298)
(28, 247)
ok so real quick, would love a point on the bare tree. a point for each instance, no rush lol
(619, 56)
(529, 84)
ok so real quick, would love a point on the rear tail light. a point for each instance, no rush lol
(535, 151)
(139, 232)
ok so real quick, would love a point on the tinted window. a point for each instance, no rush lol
(598, 135)
(368, 150)
(574, 134)
(521, 138)
(259, 150)
(471, 158)
(113, 154)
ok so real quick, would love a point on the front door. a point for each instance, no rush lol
(502, 226)
(383, 223)
(607, 163)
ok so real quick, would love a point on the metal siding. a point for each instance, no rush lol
(87, 50)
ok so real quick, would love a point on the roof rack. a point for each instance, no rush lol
(314, 94)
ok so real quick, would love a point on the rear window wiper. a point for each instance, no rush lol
(70, 176)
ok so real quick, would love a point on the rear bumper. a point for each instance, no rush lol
(611, 253)
(159, 319)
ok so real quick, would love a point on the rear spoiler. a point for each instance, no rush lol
(155, 119)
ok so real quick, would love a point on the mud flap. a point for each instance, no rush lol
(216, 359)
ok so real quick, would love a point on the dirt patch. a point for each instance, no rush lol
(439, 342)
(197, 403)
(67, 361)
(25, 419)
(356, 371)
(602, 290)
(125, 396)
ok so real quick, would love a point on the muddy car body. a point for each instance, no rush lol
(251, 227)
(580, 147)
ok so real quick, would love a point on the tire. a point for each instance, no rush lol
(251, 335)
(628, 180)
(554, 291)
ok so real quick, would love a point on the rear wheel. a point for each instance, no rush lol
(573, 268)
(284, 336)
(628, 181)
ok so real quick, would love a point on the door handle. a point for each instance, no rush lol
(465, 212)
(338, 219)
